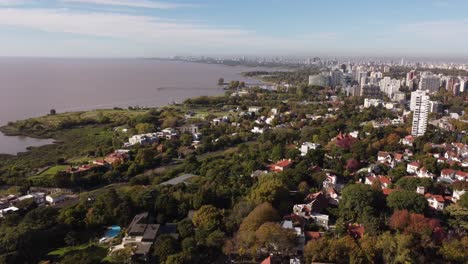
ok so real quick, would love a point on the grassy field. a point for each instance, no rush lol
(42, 126)
(73, 144)
(96, 252)
(53, 170)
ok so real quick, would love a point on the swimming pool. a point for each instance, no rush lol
(112, 231)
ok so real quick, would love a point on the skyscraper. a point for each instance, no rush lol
(420, 112)
(429, 82)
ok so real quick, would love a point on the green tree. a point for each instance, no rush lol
(208, 217)
(359, 200)
(165, 246)
(143, 128)
(269, 189)
(407, 200)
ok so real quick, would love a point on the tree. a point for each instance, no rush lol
(407, 200)
(221, 81)
(455, 250)
(165, 246)
(270, 189)
(52, 112)
(272, 237)
(359, 200)
(208, 217)
(261, 214)
(411, 183)
(143, 128)
(464, 200)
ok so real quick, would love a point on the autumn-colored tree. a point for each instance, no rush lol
(410, 223)
(272, 237)
(352, 165)
(261, 214)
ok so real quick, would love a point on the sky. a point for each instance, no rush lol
(150, 28)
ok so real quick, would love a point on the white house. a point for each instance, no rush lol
(254, 109)
(257, 130)
(142, 139)
(307, 146)
(320, 219)
(412, 167)
(56, 198)
(457, 194)
(437, 202)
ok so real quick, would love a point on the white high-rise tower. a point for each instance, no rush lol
(420, 112)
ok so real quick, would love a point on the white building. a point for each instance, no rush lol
(429, 82)
(307, 146)
(319, 80)
(372, 102)
(142, 139)
(420, 112)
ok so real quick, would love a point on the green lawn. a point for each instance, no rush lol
(92, 252)
(53, 170)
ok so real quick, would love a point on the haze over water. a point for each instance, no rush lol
(31, 87)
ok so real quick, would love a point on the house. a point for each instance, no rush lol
(461, 176)
(254, 110)
(142, 139)
(307, 146)
(191, 129)
(56, 198)
(320, 219)
(6, 211)
(38, 198)
(168, 133)
(457, 194)
(140, 236)
(447, 175)
(257, 130)
(116, 158)
(280, 165)
(384, 157)
(315, 203)
(408, 141)
(436, 202)
(383, 181)
(412, 167)
(424, 173)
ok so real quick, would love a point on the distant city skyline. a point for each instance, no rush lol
(146, 28)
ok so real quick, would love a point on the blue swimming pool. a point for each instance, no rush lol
(112, 231)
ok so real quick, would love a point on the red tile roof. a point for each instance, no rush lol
(462, 174)
(438, 198)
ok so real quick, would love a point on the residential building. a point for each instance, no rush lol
(280, 165)
(307, 146)
(371, 91)
(320, 219)
(429, 82)
(140, 236)
(437, 202)
(372, 102)
(142, 139)
(420, 112)
(319, 80)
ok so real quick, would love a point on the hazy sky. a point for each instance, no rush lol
(134, 28)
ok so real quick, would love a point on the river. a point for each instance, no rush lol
(30, 87)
